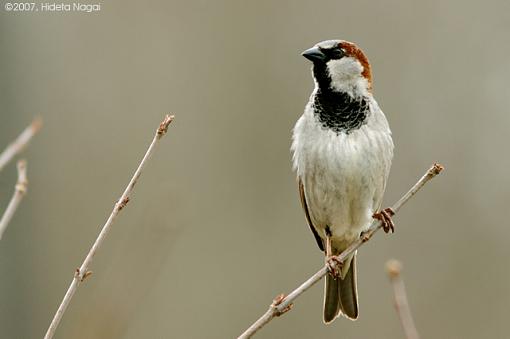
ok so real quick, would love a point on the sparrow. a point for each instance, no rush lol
(342, 152)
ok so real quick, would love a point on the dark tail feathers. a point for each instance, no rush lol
(341, 295)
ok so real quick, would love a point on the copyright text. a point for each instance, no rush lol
(51, 7)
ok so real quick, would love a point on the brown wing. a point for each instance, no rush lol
(305, 207)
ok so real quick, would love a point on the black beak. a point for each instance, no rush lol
(314, 54)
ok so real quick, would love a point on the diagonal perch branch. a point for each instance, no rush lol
(281, 305)
(20, 143)
(83, 272)
(19, 192)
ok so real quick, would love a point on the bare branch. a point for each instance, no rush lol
(20, 143)
(83, 272)
(394, 267)
(19, 192)
(282, 305)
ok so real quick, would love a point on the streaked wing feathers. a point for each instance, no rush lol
(305, 207)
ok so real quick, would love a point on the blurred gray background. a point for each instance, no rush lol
(215, 229)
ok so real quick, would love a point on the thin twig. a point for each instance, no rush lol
(394, 267)
(83, 272)
(282, 305)
(19, 144)
(19, 192)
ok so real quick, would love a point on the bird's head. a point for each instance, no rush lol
(340, 66)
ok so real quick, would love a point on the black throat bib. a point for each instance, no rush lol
(337, 111)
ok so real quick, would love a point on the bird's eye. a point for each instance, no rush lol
(334, 53)
(337, 53)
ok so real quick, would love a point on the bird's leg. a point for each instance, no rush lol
(334, 265)
(328, 246)
(385, 217)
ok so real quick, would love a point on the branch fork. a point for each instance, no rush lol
(6, 156)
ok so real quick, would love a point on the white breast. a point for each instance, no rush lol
(344, 175)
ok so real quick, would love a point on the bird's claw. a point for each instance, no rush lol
(334, 266)
(385, 217)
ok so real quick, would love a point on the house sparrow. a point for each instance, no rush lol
(342, 152)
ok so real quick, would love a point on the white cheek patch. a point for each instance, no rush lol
(345, 74)
(344, 69)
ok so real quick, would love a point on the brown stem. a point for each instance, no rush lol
(20, 143)
(19, 192)
(83, 272)
(394, 267)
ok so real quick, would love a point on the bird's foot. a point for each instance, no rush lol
(385, 217)
(334, 265)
